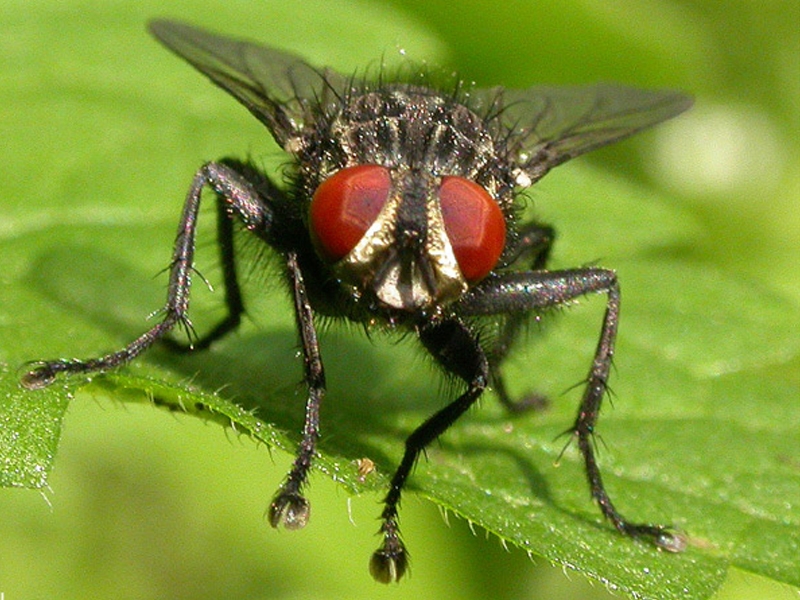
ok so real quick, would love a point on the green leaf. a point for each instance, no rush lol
(704, 432)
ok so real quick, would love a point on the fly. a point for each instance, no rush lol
(401, 212)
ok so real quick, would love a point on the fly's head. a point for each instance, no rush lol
(410, 196)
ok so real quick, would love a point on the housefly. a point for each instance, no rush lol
(400, 212)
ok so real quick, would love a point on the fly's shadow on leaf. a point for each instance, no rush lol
(505, 462)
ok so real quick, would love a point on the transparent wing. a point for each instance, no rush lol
(544, 126)
(549, 125)
(279, 88)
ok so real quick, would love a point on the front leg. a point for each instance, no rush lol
(289, 507)
(456, 348)
(518, 293)
(241, 199)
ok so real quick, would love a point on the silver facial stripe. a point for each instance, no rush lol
(450, 283)
(376, 262)
(376, 242)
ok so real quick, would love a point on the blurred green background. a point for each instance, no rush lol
(146, 505)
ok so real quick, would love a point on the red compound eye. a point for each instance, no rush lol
(345, 205)
(475, 225)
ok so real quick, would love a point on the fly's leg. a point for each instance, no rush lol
(521, 292)
(241, 199)
(583, 429)
(227, 255)
(456, 348)
(289, 507)
(233, 293)
(533, 244)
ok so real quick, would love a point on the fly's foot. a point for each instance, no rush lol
(42, 374)
(663, 538)
(389, 562)
(670, 541)
(289, 509)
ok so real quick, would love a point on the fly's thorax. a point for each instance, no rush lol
(407, 126)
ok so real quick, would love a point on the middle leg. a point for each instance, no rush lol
(289, 506)
(456, 348)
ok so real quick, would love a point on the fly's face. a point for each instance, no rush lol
(410, 211)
